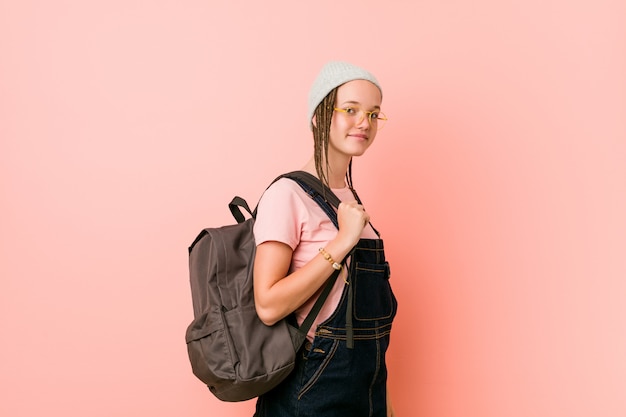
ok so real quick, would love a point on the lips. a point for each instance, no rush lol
(360, 136)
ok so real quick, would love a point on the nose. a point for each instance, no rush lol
(363, 121)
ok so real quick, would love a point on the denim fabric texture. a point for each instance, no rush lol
(331, 379)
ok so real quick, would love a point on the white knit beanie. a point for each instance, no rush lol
(334, 74)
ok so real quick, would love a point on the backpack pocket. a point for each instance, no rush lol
(209, 349)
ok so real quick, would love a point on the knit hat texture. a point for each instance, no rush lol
(334, 74)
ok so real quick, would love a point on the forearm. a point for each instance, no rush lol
(277, 293)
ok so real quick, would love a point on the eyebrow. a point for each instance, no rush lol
(357, 103)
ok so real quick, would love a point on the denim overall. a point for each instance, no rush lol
(343, 372)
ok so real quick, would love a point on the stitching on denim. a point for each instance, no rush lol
(356, 329)
(374, 377)
(376, 336)
(319, 371)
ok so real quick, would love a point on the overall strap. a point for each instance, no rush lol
(328, 202)
(322, 192)
(326, 199)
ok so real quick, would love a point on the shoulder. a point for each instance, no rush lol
(284, 199)
(285, 185)
(283, 191)
(281, 213)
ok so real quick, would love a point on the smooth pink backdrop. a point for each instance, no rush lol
(499, 185)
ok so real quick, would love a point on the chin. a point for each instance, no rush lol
(358, 152)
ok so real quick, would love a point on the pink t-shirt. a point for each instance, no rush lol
(287, 214)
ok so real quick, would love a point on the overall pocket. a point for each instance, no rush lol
(316, 362)
(373, 298)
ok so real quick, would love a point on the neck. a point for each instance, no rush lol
(336, 172)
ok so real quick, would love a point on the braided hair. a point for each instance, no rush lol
(321, 136)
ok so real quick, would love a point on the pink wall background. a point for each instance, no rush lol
(499, 185)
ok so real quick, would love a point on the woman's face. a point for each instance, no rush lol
(350, 130)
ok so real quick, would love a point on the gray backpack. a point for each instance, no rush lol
(235, 354)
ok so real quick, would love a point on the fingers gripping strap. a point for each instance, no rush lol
(326, 199)
(316, 190)
(322, 195)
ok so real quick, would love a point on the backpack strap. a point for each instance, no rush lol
(316, 186)
(321, 193)
(235, 210)
(319, 303)
(324, 197)
(328, 202)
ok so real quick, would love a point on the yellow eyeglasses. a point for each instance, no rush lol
(375, 118)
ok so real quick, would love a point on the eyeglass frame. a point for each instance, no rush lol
(360, 110)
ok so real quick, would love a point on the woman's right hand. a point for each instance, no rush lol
(352, 218)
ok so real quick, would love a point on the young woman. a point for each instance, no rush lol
(341, 369)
